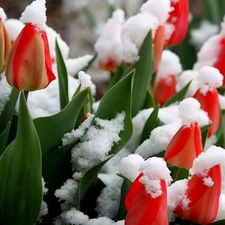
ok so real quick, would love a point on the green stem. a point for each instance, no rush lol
(26, 93)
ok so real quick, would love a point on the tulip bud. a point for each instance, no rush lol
(5, 43)
(202, 197)
(29, 65)
(185, 146)
(177, 23)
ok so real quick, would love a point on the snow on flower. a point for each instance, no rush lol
(3, 16)
(35, 13)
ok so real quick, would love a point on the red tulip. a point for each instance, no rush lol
(203, 196)
(142, 208)
(178, 18)
(158, 44)
(185, 146)
(5, 45)
(29, 65)
(210, 104)
(164, 88)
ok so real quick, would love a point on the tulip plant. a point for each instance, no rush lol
(151, 151)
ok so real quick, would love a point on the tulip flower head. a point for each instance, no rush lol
(177, 23)
(165, 85)
(199, 202)
(146, 201)
(5, 43)
(29, 65)
(207, 94)
(186, 144)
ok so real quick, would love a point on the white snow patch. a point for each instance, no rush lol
(85, 82)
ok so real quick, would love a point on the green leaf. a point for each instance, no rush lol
(9, 109)
(204, 132)
(116, 100)
(179, 96)
(151, 123)
(20, 172)
(3, 139)
(56, 170)
(62, 77)
(59, 124)
(143, 75)
(220, 134)
(110, 105)
(124, 189)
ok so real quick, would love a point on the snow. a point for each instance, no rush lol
(75, 217)
(76, 65)
(109, 44)
(190, 111)
(206, 160)
(3, 16)
(130, 166)
(221, 211)
(158, 8)
(184, 78)
(14, 27)
(169, 65)
(209, 78)
(85, 82)
(201, 34)
(154, 169)
(35, 13)
(97, 142)
(208, 181)
(176, 195)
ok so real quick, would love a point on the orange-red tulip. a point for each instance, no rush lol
(5, 45)
(210, 104)
(29, 65)
(179, 19)
(185, 146)
(142, 208)
(203, 197)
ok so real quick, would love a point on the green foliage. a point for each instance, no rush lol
(20, 172)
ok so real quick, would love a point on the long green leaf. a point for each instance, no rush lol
(62, 77)
(143, 75)
(20, 172)
(59, 124)
(117, 99)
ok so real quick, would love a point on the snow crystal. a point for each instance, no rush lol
(177, 195)
(130, 166)
(52, 36)
(138, 124)
(109, 199)
(208, 181)
(213, 46)
(203, 33)
(169, 65)
(75, 217)
(5, 90)
(14, 27)
(79, 132)
(75, 65)
(209, 78)
(158, 8)
(190, 111)
(35, 13)
(3, 16)
(206, 160)
(133, 33)
(184, 78)
(153, 170)
(67, 190)
(154, 144)
(109, 44)
(97, 142)
(85, 82)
